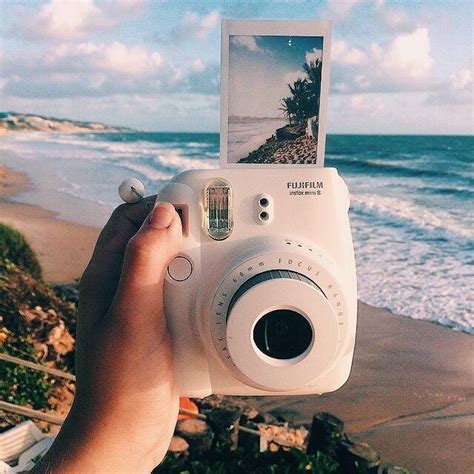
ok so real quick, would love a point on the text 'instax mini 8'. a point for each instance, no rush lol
(262, 299)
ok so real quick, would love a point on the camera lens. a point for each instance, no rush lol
(282, 334)
(264, 202)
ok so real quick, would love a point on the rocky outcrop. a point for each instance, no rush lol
(301, 150)
(289, 132)
(11, 121)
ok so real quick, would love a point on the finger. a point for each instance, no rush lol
(122, 226)
(100, 279)
(139, 298)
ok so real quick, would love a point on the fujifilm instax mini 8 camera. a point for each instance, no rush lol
(262, 298)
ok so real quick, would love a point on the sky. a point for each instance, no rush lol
(396, 66)
(261, 67)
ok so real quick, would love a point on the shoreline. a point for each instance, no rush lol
(410, 394)
(63, 247)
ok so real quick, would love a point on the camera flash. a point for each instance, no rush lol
(218, 209)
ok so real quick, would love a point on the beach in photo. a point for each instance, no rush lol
(274, 96)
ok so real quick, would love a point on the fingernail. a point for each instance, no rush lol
(161, 215)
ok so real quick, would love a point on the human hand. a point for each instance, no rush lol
(125, 408)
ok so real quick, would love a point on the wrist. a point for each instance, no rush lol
(92, 444)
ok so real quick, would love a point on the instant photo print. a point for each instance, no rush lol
(274, 89)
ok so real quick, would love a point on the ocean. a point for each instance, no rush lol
(411, 202)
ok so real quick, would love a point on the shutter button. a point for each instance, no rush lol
(180, 269)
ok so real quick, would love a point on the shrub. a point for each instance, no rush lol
(222, 460)
(15, 248)
(21, 385)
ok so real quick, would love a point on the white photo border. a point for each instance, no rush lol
(319, 28)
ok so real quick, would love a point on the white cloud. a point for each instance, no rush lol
(458, 90)
(198, 65)
(396, 20)
(339, 9)
(341, 87)
(367, 104)
(199, 26)
(66, 20)
(177, 74)
(101, 69)
(313, 55)
(393, 19)
(72, 20)
(247, 41)
(293, 76)
(343, 54)
(115, 58)
(408, 55)
(362, 81)
(401, 113)
(404, 63)
(461, 80)
(134, 60)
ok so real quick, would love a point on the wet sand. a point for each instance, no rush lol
(64, 248)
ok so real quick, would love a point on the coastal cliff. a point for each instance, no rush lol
(12, 121)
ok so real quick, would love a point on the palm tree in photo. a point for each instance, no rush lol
(288, 107)
(313, 71)
(300, 94)
(303, 103)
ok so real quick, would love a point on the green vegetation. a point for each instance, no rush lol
(222, 460)
(15, 248)
(20, 385)
(29, 311)
(303, 103)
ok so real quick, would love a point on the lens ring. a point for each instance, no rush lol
(283, 334)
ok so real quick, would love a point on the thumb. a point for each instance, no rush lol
(148, 253)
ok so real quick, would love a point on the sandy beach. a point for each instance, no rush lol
(411, 391)
(64, 248)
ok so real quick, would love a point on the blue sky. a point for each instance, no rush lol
(396, 67)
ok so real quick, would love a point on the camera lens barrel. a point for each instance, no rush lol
(281, 330)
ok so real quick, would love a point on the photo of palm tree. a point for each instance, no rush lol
(274, 99)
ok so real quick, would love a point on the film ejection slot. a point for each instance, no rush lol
(218, 218)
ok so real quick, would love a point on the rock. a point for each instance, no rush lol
(326, 432)
(60, 339)
(17, 121)
(197, 433)
(178, 445)
(251, 414)
(282, 435)
(360, 456)
(391, 469)
(248, 441)
(289, 132)
(225, 423)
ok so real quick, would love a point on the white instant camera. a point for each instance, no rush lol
(262, 299)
